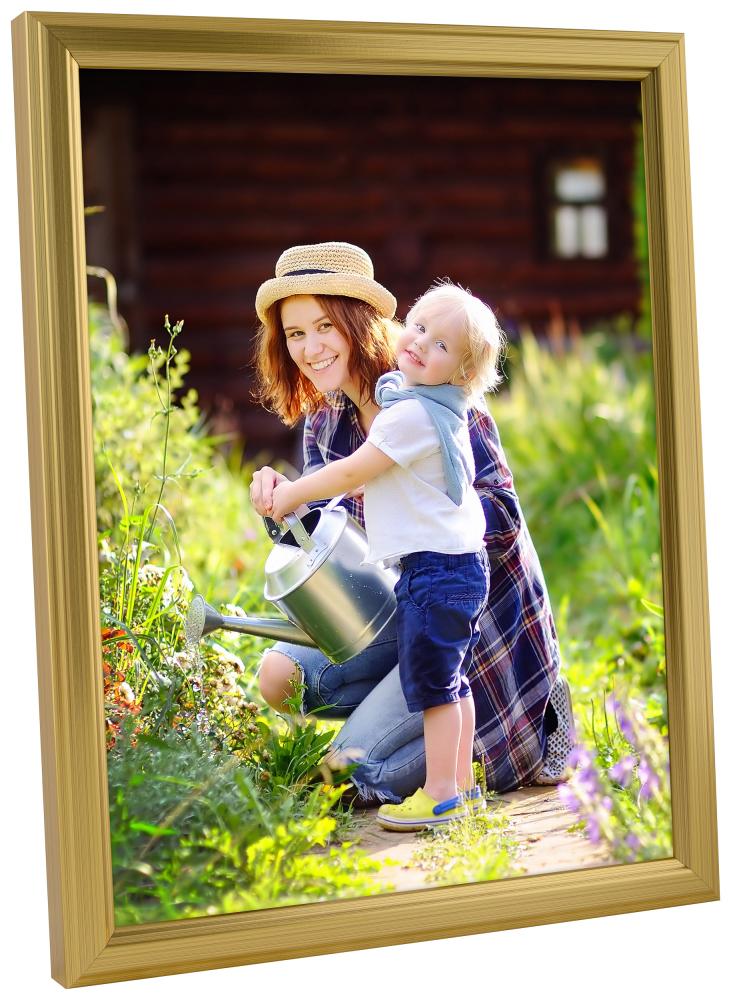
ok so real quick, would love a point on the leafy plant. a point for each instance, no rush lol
(194, 834)
(150, 440)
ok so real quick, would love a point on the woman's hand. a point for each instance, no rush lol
(262, 489)
(284, 500)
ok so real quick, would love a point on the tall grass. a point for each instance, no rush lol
(579, 429)
(152, 442)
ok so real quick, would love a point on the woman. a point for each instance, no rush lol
(327, 334)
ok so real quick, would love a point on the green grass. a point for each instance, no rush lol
(479, 848)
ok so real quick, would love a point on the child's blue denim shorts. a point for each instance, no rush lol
(440, 599)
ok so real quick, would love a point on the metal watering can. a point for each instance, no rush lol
(315, 575)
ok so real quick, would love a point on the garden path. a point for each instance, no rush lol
(539, 822)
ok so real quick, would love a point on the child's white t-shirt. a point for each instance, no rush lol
(406, 508)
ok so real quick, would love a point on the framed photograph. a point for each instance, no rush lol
(166, 167)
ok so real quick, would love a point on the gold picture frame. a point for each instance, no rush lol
(49, 49)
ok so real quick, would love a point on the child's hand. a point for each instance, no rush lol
(284, 500)
(262, 483)
(357, 492)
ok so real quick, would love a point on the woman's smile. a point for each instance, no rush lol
(316, 346)
(319, 366)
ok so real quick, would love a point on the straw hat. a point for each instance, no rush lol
(325, 269)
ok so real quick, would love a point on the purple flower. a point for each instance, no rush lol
(592, 829)
(625, 724)
(623, 771)
(568, 798)
(607, 803)
(580, 756)
(587, 780)
(649, 781)
(632, 845)
(623, 720)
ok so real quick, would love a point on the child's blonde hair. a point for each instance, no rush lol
(478, 370)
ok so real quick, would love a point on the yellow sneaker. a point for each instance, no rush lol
(419, 812)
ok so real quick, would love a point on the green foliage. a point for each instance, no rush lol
(589, 488)
(130, 395)
(479, 848)
(215, 803)
(295, 757)
(150, 442)
(579, 430)
(193, 833)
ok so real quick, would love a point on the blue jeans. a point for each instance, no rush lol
(380, 731)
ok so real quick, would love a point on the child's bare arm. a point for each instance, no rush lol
(342, 476)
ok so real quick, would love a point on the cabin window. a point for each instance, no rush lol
(578, 209)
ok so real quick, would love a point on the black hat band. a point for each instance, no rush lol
(309, 270)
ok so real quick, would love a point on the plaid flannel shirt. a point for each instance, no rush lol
(516, 661)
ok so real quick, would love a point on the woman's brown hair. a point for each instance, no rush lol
(281, 386)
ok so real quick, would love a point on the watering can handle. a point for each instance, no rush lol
(334, 502)
(302, 536)
(294, 524)
(273, 529)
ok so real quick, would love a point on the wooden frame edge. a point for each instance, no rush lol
(680, 467)
(48, 51)
(161, 949)
(62, 500)
(132, 41)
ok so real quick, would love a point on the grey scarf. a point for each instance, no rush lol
(447, 408)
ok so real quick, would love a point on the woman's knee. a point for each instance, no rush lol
(276, 675)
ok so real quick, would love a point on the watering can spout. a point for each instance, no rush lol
(203, 619)
(318, 576)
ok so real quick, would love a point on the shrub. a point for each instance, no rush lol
(194, 834)
(579, 431)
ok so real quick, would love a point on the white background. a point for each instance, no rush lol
(660, 953)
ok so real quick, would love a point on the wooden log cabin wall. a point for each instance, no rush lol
(519, 189)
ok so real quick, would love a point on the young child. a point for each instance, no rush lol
(422, 511)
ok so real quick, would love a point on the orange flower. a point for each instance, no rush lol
(112, 733)
(112, 633)
(115, 633)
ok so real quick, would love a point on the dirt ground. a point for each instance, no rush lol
(538, 820)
